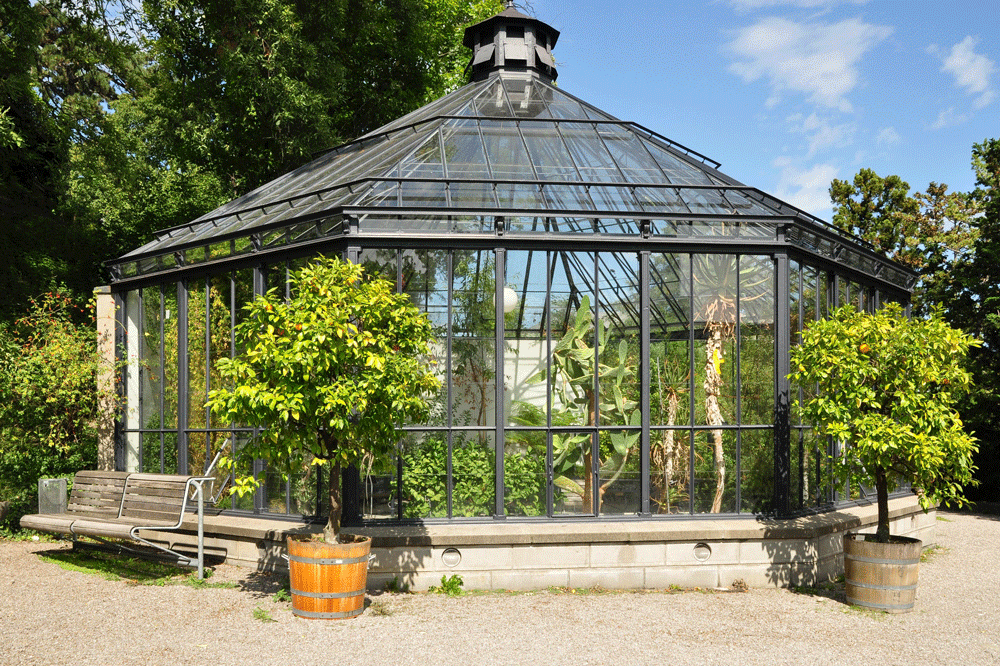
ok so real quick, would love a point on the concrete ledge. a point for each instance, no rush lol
(631, 554)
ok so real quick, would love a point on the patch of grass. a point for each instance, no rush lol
(930, 554)
(133, 570)
(281, 596)
(380, 608)
(263, 615)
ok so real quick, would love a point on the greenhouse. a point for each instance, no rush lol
(613, 313)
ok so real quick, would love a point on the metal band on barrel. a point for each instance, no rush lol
(334, 560)
(328, 595)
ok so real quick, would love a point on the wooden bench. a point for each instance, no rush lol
(118, 505)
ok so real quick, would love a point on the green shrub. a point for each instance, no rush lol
(48, 399)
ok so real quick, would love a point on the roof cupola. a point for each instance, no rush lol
(511, 42)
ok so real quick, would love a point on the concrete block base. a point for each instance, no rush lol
(648, 554)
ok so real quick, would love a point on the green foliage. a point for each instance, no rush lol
(473, 470)
(887, 391)
(450, 585)
(930, 232)
(48, 398)
(573, 363)
(327, 374)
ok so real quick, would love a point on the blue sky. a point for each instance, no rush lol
(789, 94)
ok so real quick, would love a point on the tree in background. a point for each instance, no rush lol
(930, 232)
(117, 120)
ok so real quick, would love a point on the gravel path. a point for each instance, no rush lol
(52, 616)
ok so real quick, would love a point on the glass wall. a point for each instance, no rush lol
(574, 382)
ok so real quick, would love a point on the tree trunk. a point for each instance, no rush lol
(331, 532)
(882, 490)
(713, 413)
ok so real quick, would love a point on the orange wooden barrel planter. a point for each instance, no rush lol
(881, 576)
(328, 579)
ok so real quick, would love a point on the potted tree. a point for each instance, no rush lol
(886, 392)
(327, 374)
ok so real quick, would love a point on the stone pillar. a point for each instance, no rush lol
(106, 390)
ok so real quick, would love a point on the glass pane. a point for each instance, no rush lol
(220, 330)
(463, 150)
(715, 471)
(473, 347)
(592, 159)
(620, 478)
(549, 155)
(757, 340)
(669, 474)
(425, 474)
(757, 471)
(572, 466)
(670, 380)
(715, 284)
(677, 171)
(378, 488)
(505, 150)
(304, 491)
(524, 477)
(572, 332)
(618, 356)
(526, 348)
(474, 474)
(425, 280)
(634, 161)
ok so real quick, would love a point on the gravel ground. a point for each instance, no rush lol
(52, 616)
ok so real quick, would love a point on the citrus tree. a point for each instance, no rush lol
(328, 373)
(887, 390)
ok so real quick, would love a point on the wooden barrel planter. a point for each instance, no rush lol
(328, 579)
(881, 576)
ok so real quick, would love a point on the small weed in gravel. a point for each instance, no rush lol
(263, 615)
(380, 608)
(282, 595)
(451, 586)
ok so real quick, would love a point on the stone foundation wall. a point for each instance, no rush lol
(652, 554)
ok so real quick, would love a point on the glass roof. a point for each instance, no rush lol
(510, 145)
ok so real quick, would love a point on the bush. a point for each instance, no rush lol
(48, 399)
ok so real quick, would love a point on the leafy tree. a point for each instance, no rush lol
(974, 305)
(888, 386)
(254, 88)
(327, 374)
(48, 398)
(928, 231)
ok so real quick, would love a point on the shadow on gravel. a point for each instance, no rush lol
(264, 583)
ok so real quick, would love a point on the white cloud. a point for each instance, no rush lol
(888, 136)
(972, 71)
(949, 118)
(820, 133)
(808, 189)
(817, 59)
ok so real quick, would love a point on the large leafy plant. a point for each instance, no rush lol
(887, 390)
(328, 373)
(573, 370)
